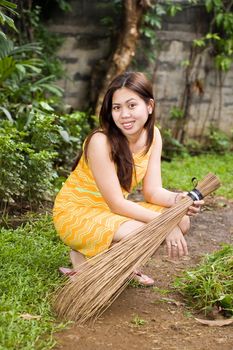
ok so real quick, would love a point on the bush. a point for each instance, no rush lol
(210, 284)
(171, 146)
(33, 154)
(25, 173)
(217, 141)
(73, 128)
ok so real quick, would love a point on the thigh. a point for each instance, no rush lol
(126, 228)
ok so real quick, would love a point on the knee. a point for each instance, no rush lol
(184, 224)
(127, 228)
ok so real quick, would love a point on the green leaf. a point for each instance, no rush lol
(223, 63)
(6, 47)
(46, 106)
(2, 35)
(209, 5)
(160, 10)
(219, 19)
(8, 4)
(7, 67)
(199, 42)
(173, 9)
(214, 36)
(20, 68)
(7, 114)
(64, 134)
(9, 21)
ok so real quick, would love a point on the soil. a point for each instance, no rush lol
(166, 322)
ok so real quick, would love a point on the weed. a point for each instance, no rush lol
(160, 291)
(137, 321)
(210, 284)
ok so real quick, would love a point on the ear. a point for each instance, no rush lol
(151, 105)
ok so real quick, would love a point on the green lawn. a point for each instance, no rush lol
(179, 173)
(30, 257)
(31, 254)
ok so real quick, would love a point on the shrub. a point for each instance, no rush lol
(217, 141)
(210, 283)
(25, 173)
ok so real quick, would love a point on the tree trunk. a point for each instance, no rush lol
(126, 47)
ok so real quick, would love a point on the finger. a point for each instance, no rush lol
(169, 249)
(180, 249)
(175, 250)
(198, 203)
(193, 210)
(185, 246)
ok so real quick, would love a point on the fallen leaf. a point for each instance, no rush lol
(30, 317)
(172, 301)
(214, 323)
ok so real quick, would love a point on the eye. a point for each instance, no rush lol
(132, 105)
(115, 108)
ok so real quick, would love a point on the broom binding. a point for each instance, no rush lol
(195, 194)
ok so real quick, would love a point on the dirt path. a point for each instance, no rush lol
(168, 324)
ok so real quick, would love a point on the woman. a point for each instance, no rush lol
(92, 210)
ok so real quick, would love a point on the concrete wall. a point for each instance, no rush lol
(205, 95)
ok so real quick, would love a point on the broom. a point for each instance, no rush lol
(100, 281)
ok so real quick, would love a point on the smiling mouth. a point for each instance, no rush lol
(127, 125)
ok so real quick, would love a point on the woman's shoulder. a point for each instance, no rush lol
(98, 137)
(156, 130)
(98, 141)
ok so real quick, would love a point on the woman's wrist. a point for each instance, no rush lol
(178, 196)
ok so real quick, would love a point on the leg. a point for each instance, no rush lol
(184, 224)
(126, 229)
(76, 258)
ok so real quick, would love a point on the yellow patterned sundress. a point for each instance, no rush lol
(81, 216)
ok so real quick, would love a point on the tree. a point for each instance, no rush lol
(127, 42)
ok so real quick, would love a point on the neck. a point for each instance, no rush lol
(137, 142)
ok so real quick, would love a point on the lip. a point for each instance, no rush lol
(128, 124)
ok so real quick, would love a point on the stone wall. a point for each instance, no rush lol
(204, 94)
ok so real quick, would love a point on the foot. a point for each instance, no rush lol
(143, 279)
(67, 271)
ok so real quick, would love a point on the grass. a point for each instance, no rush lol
(210, 284)
(138, 321)
(178, 173)
(30, 256)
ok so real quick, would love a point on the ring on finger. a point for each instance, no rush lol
(174, 244)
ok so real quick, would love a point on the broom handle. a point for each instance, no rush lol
(207, 185)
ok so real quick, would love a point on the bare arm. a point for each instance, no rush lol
(104, 172)
(152, 183)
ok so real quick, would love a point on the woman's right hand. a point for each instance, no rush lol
(176, 244)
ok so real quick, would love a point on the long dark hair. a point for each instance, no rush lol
(120, 151)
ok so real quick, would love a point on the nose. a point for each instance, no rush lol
(125, 112)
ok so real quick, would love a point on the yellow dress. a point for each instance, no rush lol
(81, 216)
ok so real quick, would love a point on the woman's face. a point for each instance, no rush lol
(129, 111)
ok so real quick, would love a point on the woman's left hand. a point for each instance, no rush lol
(195, 208)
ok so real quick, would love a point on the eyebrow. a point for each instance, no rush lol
(129, 100)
